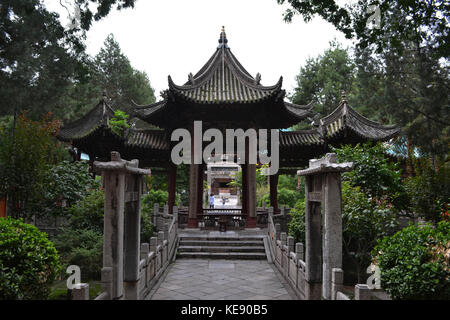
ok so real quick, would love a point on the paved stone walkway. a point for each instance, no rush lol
(194, 279)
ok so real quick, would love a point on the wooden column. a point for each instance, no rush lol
(194, 171)
(251, 195)
(172, 179)
(273, 182)
(244, 189)
(200, 190)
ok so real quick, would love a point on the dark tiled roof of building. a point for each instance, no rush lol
(300, 138)
(94, 120)
(224, 80)
(148, 138)
(346, 118)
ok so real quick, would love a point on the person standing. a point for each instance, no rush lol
(211, 201)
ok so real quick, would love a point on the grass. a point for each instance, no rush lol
(58, 290)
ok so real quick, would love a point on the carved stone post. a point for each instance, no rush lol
(123, 189)
(323, 211)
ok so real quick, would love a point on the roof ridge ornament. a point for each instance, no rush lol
(258, 79)
(223, 39)
(191, 78)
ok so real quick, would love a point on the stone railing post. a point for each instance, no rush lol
(283, 238)
(175, 215)
(80, 291)
(337, 282)
(299, 251)
(153, 244)
(278, 230)
(155, 214)
(166, 231)
(270, 212)
(107, 278)
(145, 250)
(362, 292)
(290, 244)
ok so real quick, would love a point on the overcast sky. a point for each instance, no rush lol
(176, 37)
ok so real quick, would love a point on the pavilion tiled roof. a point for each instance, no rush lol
(148, 139)
(224, 81)
(344, 118)
(95, 120)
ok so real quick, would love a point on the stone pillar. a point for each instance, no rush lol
(313, 237)
(299, 251)
(362, 292)
(172, 182)
(80, 291)
(273, 182)
(132, 241)
(113, 230)
(251, 195)
(337, 282)
(332, 225)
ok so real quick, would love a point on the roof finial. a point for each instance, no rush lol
(344, 96)
(223, 38)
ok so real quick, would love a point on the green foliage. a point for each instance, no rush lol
(156, 196)
(81, 247)
(378, 178)
(87, 214)
(364, 221)
(66, 183)
(29, 262)
(415, 262)
(147, 228)
(119, 123)
(429, 190)
(322, 79)
(25, 156)
(423, 21)
(112, 71)
(297, 223)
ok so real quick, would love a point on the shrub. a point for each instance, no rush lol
(81, 247)
(364, 221)
(286, 197)
(377, 177)
(415, 262)
(147, 227)
(297, 223)
(88, 213)
(429, 190)
(29, 262)
(66, 181)
(155, 196)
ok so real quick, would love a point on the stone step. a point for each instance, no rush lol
(222, 255)
(220, 249)
(221, 238)
(216, 243)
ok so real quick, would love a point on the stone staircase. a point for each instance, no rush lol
(245, 247)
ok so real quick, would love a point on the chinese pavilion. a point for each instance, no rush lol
(223, 95)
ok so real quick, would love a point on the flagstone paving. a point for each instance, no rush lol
(194, 279)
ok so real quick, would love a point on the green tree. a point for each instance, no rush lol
(323, 79)
(425, 21)
(25, 156)
(114, 73)
(364, 222)
(378, 178)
